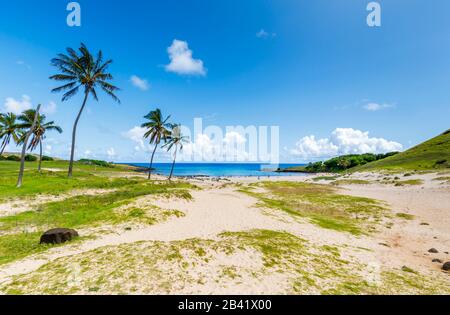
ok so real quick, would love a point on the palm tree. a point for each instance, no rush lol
(157, 131)
(175, 139)
(40, 128)
(8, 129)
(82, 70)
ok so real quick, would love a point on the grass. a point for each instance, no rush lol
(77, 211)
(329, 178)
(410, 182)
(18, 246)
(54, 183)
(322, 205)
(433, 154)
(405, 216)
(278, 262)
(351, 182)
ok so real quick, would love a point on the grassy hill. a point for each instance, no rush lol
(430, 155)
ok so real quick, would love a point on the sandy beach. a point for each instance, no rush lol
(219, 206)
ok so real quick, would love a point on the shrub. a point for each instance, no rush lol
(95, 162)
(2, 158)
(14, 158)
(30, 158)
(47, 158)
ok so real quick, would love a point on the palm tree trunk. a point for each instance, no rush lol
(74, 134)
(24, 148)
(40, 156)
(173, 164)
(151, 162)
(3, 146)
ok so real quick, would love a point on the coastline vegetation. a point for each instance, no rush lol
(321, 205)
(339, 164)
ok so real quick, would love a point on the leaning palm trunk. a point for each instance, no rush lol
(74, 134)
(24, 148)
(151, 162)
(173, 164)
(40, 156)
(4, 146)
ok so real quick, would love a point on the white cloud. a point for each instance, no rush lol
(373, 107)
(17, 106)
(111, 153)
(229, 148)
(342, 141)
(181, 60)
(50, 108)
(141, 84)
(136, 134)
(23, 63)
(264, 34)
(48, 149)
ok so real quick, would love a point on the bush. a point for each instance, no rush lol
(345, 162)
(14, 158)
(95, 162)
(47, 158)
(2, 158)
(30, 158)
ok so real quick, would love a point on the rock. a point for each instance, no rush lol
(58, 236)
(433, 250)
(436, 260)
(446, 266)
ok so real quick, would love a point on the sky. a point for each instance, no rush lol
(332, 84)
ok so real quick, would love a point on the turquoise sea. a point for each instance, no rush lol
(218, 169)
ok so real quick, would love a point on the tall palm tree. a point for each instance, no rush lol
(175, 139)
(8, 129)
(82, 70)
(157, 130)
(40, 128)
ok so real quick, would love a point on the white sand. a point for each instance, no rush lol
(218, 208)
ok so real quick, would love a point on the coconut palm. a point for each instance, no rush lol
(157, 130)
(40, 129)
(175, 139)
(82, 70)
(9, 129)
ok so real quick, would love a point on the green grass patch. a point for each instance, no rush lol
(433, 154)
(322, 205)
(351, 182)
(410, 182)
(405, 216)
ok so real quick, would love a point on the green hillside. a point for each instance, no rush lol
(430, 155)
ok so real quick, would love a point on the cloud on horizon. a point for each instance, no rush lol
(342, 141)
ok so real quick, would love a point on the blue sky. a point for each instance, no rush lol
(316, 70)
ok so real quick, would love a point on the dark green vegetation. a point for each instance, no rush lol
(433, 154)
(96, 163)
(322, 205)
(341, 163)
(75, 211)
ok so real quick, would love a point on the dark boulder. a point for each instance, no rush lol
(433, 250)
(58, 236)
(436, 260)
(446, 266)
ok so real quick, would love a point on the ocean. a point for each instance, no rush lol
(217, 169)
